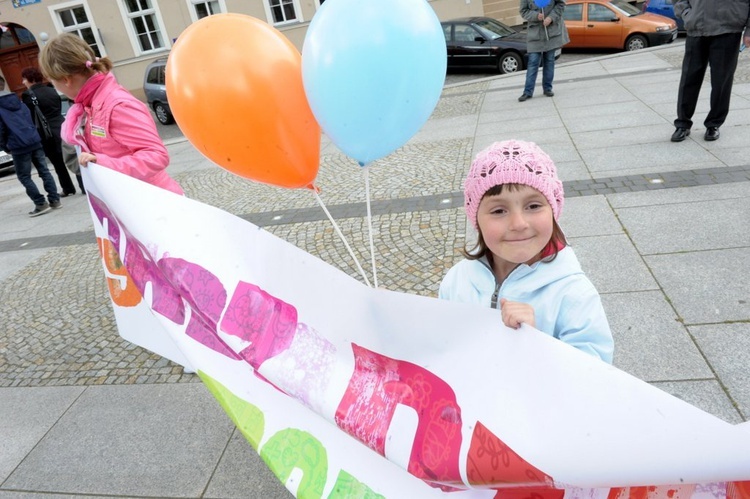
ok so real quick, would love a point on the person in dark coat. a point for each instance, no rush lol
(51, 106)
(714, 31)
(19, 137)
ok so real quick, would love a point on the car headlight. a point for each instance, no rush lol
(662, 28)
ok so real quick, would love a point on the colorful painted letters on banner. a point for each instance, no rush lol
(439, 398)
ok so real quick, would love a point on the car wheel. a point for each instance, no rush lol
(509, 62)
(163, 115)
(636, 42)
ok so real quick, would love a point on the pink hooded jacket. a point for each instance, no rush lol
(121, 132)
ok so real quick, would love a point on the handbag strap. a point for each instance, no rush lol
(33, 97)
(39, 115)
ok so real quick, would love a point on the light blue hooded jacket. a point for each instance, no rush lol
(566, 304)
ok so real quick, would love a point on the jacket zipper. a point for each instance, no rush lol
(493, 304)
(493, 301)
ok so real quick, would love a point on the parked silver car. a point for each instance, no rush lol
(154, 86)
(6, 163)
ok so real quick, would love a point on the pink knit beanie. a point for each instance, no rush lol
(512, 162)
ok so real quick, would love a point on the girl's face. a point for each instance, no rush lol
(516, 226)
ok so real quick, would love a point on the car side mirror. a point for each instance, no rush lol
(615, 20)
(480, 39)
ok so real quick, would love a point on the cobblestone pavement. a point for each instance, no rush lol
(61, 330)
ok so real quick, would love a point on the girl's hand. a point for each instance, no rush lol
(516, 313)
(540, 17)
(547, 21)
(85, 157)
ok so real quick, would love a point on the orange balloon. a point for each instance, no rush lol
(234, 86)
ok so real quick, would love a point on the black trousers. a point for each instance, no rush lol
(53, 151)
(720, 52)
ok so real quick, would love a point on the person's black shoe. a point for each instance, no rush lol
(712, 133)
(549, 93)
(680, 134)
(524, 97)
(66, 194)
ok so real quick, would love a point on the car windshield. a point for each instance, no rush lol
(492, 29)
(626, 8)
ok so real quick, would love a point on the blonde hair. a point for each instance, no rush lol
(67, 55)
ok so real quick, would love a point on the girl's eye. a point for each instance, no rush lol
(535, 206)
(498, 211)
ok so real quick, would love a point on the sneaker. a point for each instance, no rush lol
(40, 209)
(55, 205)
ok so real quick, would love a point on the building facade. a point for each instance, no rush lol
(132, 33)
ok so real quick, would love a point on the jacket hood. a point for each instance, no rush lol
(10, 102)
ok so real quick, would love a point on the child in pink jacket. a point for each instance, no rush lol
(113, 128)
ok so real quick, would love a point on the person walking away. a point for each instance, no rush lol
(19, 137)
(545, 34)
(521, 263)
(714, 29)
(113, 128)
(50, 104)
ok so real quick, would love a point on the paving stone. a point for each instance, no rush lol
(705, 287)
(241, 473)
(727, 347)
(176, 435)
(650, 342)
(704, 394)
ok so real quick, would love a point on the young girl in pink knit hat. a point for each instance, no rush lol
(521, 262)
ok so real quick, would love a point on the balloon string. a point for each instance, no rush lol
(341, 235)
(369, 225)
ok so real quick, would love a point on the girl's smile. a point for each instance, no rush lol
(516, 226)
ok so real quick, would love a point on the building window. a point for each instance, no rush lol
(205, 9)
(14, 35)
(74, 19)
(145, 24)
(200, 9)
(283, 11)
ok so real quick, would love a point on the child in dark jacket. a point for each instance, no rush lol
(19, 137)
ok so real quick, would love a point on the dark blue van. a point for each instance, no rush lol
(663, 8)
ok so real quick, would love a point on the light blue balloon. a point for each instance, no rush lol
(373, 71)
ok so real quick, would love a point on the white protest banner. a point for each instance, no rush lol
(348, 391)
